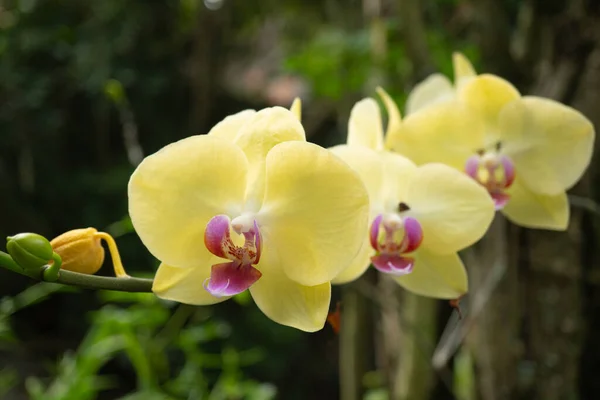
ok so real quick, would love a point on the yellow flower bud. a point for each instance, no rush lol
(80, 250)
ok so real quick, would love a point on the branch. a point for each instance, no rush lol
(122, 284)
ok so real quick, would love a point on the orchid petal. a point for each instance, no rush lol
(448, 133)
(534, 210)
(358, 266)
(551, 144)
(262, 132)
(398, 174)
(435, 275)
(176, 191)
(231, 125)
(394, 117)
(287, 302)
(486, 95)
(296, 108)
(365, 127)
(315, 211)
(453, 210)
(184, 285)
(463, 69)
(368, 164)
(435, 89)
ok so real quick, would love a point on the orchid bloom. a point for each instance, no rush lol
(526, 151)
(437, 88)
(420, 216)
(251, 205)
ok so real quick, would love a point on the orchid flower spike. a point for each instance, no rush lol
(251, 205)
(420, 217)
(437, 88)
(526, 151)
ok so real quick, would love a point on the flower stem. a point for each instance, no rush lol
(114, 253)
(7, 262)
(122, 284)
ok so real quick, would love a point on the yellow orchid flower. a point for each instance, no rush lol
(526, 151)
(437, 88)
(297, 213)
(420, 216)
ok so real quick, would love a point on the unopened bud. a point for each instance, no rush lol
(80, 250)
(30, 250)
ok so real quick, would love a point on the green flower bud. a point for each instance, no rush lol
(30, 250)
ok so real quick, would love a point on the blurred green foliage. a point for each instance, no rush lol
(146, 336)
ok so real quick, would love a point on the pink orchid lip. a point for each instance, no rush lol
(390, 257)
(393, 264)
(496, 187)
(230, 278)
(500, 200)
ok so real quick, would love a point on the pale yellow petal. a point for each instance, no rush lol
(358, 266)
(369, 166)
(435, 275)
(176, 191)
(184, 285)
(535, 210)
(398, 175)
(365, 127)
(448, 133)
(265, 129)
(463, 69)
(551, 144)
(231, 125)
(453, 210)
(287, 302)
(486, 95)
(296, 108)
(386, 175)
(394, 117)
(315, 211)
(435, 89)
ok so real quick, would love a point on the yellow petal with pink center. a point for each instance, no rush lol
(184, 285)
(454, 211)
(175, 192)
(315, 211)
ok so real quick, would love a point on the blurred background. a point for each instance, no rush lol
(88, 88)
